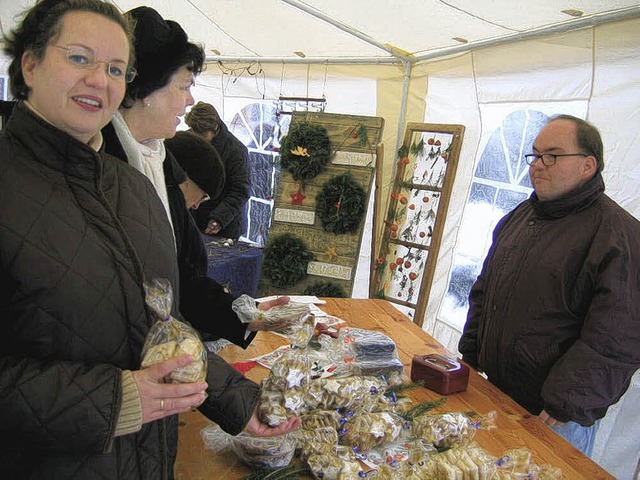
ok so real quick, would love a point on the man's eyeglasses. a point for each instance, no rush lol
(549, 158)
(84, 58)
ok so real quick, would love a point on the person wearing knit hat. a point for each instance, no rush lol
(203, 164)
(167, 64)
(227, 216)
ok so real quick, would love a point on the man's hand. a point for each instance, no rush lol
(549, 420)
(213, 227)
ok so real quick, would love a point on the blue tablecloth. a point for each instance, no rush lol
(237, 266)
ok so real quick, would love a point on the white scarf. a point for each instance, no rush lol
(146, 157)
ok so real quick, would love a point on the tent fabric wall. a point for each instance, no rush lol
(593, 73)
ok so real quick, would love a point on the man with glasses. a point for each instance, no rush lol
(554, 316)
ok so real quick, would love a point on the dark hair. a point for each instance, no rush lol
(587, 136)
(162, 48)
(41, 23)
(202, 118)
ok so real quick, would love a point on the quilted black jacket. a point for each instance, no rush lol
(79, 234)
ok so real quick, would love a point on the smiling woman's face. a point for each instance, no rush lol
(79, 101)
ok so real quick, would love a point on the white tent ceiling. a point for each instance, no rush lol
(370, 31)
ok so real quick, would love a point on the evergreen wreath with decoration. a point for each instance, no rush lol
(285, 260)
(305, 150)
(341, 204)
(325, 289)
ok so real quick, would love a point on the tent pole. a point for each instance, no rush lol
(402, 114)
(583, 22)
(397, 53)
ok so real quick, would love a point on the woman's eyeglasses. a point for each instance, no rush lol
(84, 58)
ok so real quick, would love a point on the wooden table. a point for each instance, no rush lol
(515, 426)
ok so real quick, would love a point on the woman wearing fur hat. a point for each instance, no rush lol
(167, 63)
(154, 102)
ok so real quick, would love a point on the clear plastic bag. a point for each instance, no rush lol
(449, 429)
(170, 338)
(264, 452)
(293, 320)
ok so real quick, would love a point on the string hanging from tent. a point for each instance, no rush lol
(253, 69)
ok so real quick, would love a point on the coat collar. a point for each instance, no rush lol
(574, 201)
(50, 145)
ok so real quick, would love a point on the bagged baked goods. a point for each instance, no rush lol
(371, 429)
(264, 452)
(170, 338)
(449, 429)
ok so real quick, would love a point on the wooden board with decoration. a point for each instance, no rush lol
(426, 167)
(327, 170)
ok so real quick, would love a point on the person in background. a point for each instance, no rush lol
(154, 101)
(80, 232)
(554, 317)
(227, 216)
(203, 165)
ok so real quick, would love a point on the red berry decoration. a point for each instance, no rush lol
(425, 199)
(422, 234)
(354, 135)
(403, 200)
(413, 276)
(393, 266)
(407, 264)
(412, 207)
(437, 143)
(430, 141)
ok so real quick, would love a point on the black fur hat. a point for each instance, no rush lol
(161, 47)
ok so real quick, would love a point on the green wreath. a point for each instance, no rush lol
(285, 260)
(305, 150)
(341, 204)
(325, 289)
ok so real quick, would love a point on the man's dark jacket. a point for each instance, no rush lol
(229, 209)
(554, 316)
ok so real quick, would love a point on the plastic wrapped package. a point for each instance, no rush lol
(170, 338)
(320, 419)
(264, 452)
(292, 370)
(271, 409)
(344, 392)
(293, 320)
(519, 463)
(317, 441)
(449, 429)
(341, 466)
(363, 352)
(404, 471)
(370, 430)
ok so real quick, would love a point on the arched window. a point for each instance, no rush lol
(260, 128)
(500, 182)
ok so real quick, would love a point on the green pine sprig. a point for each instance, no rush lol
(290, 472)
(421, 408)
